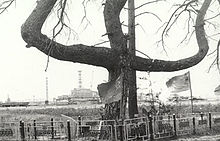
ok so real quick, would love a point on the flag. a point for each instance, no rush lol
(179, 83)
(217, 90)
(111, 91)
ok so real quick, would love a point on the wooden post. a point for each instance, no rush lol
(194, 125)
(132, 97)
(35, 130)
(68, 130)
(151, 128)
(22, 130)
(52, 128)
(174, 125)
(210, 121)
(80, 123)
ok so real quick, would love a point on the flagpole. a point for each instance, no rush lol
(190, 88)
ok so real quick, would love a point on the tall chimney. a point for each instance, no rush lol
(80, 78)
(46, 101)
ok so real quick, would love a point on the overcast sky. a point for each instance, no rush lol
(22, 75)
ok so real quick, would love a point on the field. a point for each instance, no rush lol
(47, 112)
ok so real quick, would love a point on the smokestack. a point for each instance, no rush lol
(80, 78)
(46, 101)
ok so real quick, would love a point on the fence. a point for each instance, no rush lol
(142, 128)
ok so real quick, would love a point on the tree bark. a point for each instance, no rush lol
(113, 25)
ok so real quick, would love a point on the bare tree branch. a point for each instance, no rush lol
(31, 33)
(142, 64)
(84, 3)
(218, 45)
(100, 43)
(213, 63)
(60, 22)
(189, 34)
(149, 13)
(143, 54)
(212, 52)
(5, 5)
(213, 17)
(174, 17)
(155, 1)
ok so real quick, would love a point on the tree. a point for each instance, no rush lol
(111, 58)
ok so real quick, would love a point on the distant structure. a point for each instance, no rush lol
(8, 99)
(80, 78)
(46, 101)
(14, 104)
(10, 103)
(79, 95)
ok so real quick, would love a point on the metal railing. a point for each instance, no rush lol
(142, 128)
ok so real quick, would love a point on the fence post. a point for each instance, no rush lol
(22, 130)
(52, 128)
(194, 125)
(68, 130)
(210, 121)
(151, 128)
(35, 130)
(201, 114)
(80, 123)
(174, 125)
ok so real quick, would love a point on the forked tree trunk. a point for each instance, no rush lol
(109, 57)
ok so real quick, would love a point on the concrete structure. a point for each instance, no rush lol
(79, 96)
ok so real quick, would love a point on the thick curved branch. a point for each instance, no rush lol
(31, 34)
(143, 64)
(113, 25)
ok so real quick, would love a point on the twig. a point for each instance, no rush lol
(149, 13)
(143, 54)
(7, 3)
(100, 43)
(148, 3)
(218, 55)
(55, 34)
(84, 3)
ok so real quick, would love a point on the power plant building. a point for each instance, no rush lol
(79, 95)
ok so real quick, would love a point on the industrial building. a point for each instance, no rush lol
(79, 95)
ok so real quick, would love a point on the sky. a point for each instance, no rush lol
(23, 76)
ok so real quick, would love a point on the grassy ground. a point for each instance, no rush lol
(45, 113)
(71, 111)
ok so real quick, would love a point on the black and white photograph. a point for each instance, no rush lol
(110, 70)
